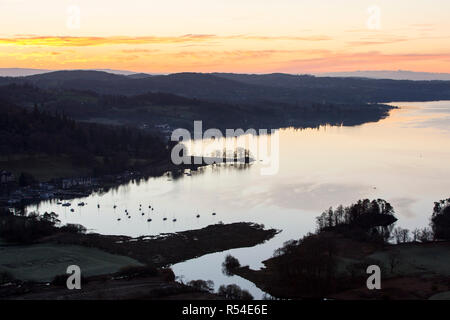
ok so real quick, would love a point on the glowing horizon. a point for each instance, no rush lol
(226, 35)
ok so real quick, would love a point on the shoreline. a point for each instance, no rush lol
(155, 252)
(167, 249)
(408, 272)
(19, 197)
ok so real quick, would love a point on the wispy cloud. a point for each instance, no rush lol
(140, 50)
(288, 38)
(245, 54)
(366, 60)
(384, 39)
(63, 41)
(66, 41)
(376, 42)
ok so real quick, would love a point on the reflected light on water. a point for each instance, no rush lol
(403, 159)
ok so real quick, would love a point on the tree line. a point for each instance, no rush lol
(309, 266)
(100, 147)
(364, 219)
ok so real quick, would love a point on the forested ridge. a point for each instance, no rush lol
(32, 131)
(155, 108)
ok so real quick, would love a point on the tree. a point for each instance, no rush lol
(229, 265)
(440, 220)
(38, 132)
(202, 285)
(51, 218)
(309, 264)
(426, 235)
(405, 235)
(364, 220)
(416, 234)
(401, 235)
(234, 292)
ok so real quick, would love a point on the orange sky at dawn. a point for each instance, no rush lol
(226, 35)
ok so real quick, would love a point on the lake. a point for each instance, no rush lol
(403, 159)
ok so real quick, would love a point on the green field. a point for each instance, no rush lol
(409, 259)
(441, 296)
(433, 258)
(42, 262)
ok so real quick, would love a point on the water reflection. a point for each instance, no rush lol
(403, 159)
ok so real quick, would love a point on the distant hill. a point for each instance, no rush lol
(122, 72)
(297, 88)
(69, 75)
(394, 75)
(240, 89)
(192, 85)
(20, 72)
(80, 146)
(386, 74)
(148, 111)
(23, 72)
(139, 75)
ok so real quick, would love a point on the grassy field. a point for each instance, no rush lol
(408, 271)
(441, 296)
(408, 259)
(42, 262)
(431, 258)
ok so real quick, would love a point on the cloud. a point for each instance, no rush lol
(246, 54)
(361, 60)
(378, 41)
(288, 38)
(140, 50)
(404, 206)
(424, 26)
(67, 41)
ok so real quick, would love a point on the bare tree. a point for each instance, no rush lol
(426, 235)
(394, 260)
(405, 235)
(401, 235)
(416, 234)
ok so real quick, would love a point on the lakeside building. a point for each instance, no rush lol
(74, 182)
(6, 177)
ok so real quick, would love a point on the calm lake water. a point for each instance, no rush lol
(404, 159)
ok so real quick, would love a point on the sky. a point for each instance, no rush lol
(245, 36)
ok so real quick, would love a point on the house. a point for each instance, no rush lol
(6, 177)
(163, 127)
(68, 183)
